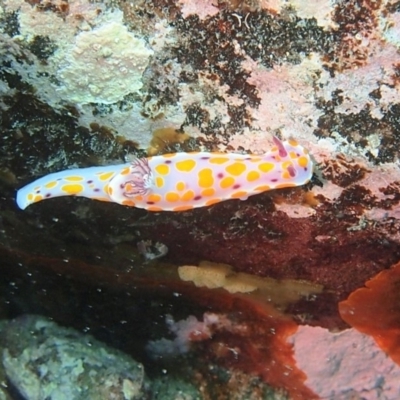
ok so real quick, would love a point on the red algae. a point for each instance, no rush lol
(260, 346)
(375, 310)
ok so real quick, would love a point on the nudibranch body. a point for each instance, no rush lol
(179, 181)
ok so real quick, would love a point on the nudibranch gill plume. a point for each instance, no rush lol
(179, 181)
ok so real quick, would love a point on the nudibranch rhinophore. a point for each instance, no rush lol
(179, 181)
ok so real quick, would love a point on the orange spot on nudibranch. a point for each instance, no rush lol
(286, 175)
(162, 169)
(50, 185)
(236, 168)
(212, 201)
(185, 166)
(188, 196)
(303, 161)
(154, 198)
(286, 164)
(180, 186)
(106, 176)
(218, 160)
(262, 188)
(172, 197)
(266, 166)
(159, 182)
(285, 185)
(154, 208)
(129, 188)
(227, 182)
(208, 192)
(253, 176)
(129, 203)
(73, 178)
(183, 208)
(206, 178)
(72, 189)
(239, 195)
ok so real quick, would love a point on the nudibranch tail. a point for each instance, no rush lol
(180, 181)
(87, 182)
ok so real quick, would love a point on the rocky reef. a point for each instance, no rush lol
(235, 288)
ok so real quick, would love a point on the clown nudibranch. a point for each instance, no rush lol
(179, 181)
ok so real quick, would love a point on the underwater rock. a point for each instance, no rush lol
(345, 365)
(4, 384)
(165, 388)
(216, 76)
(43, 360)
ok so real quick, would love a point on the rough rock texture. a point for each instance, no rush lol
(345, 365)
(43, 360)
(223, 75)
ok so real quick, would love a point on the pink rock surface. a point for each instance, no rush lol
(346, 365)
